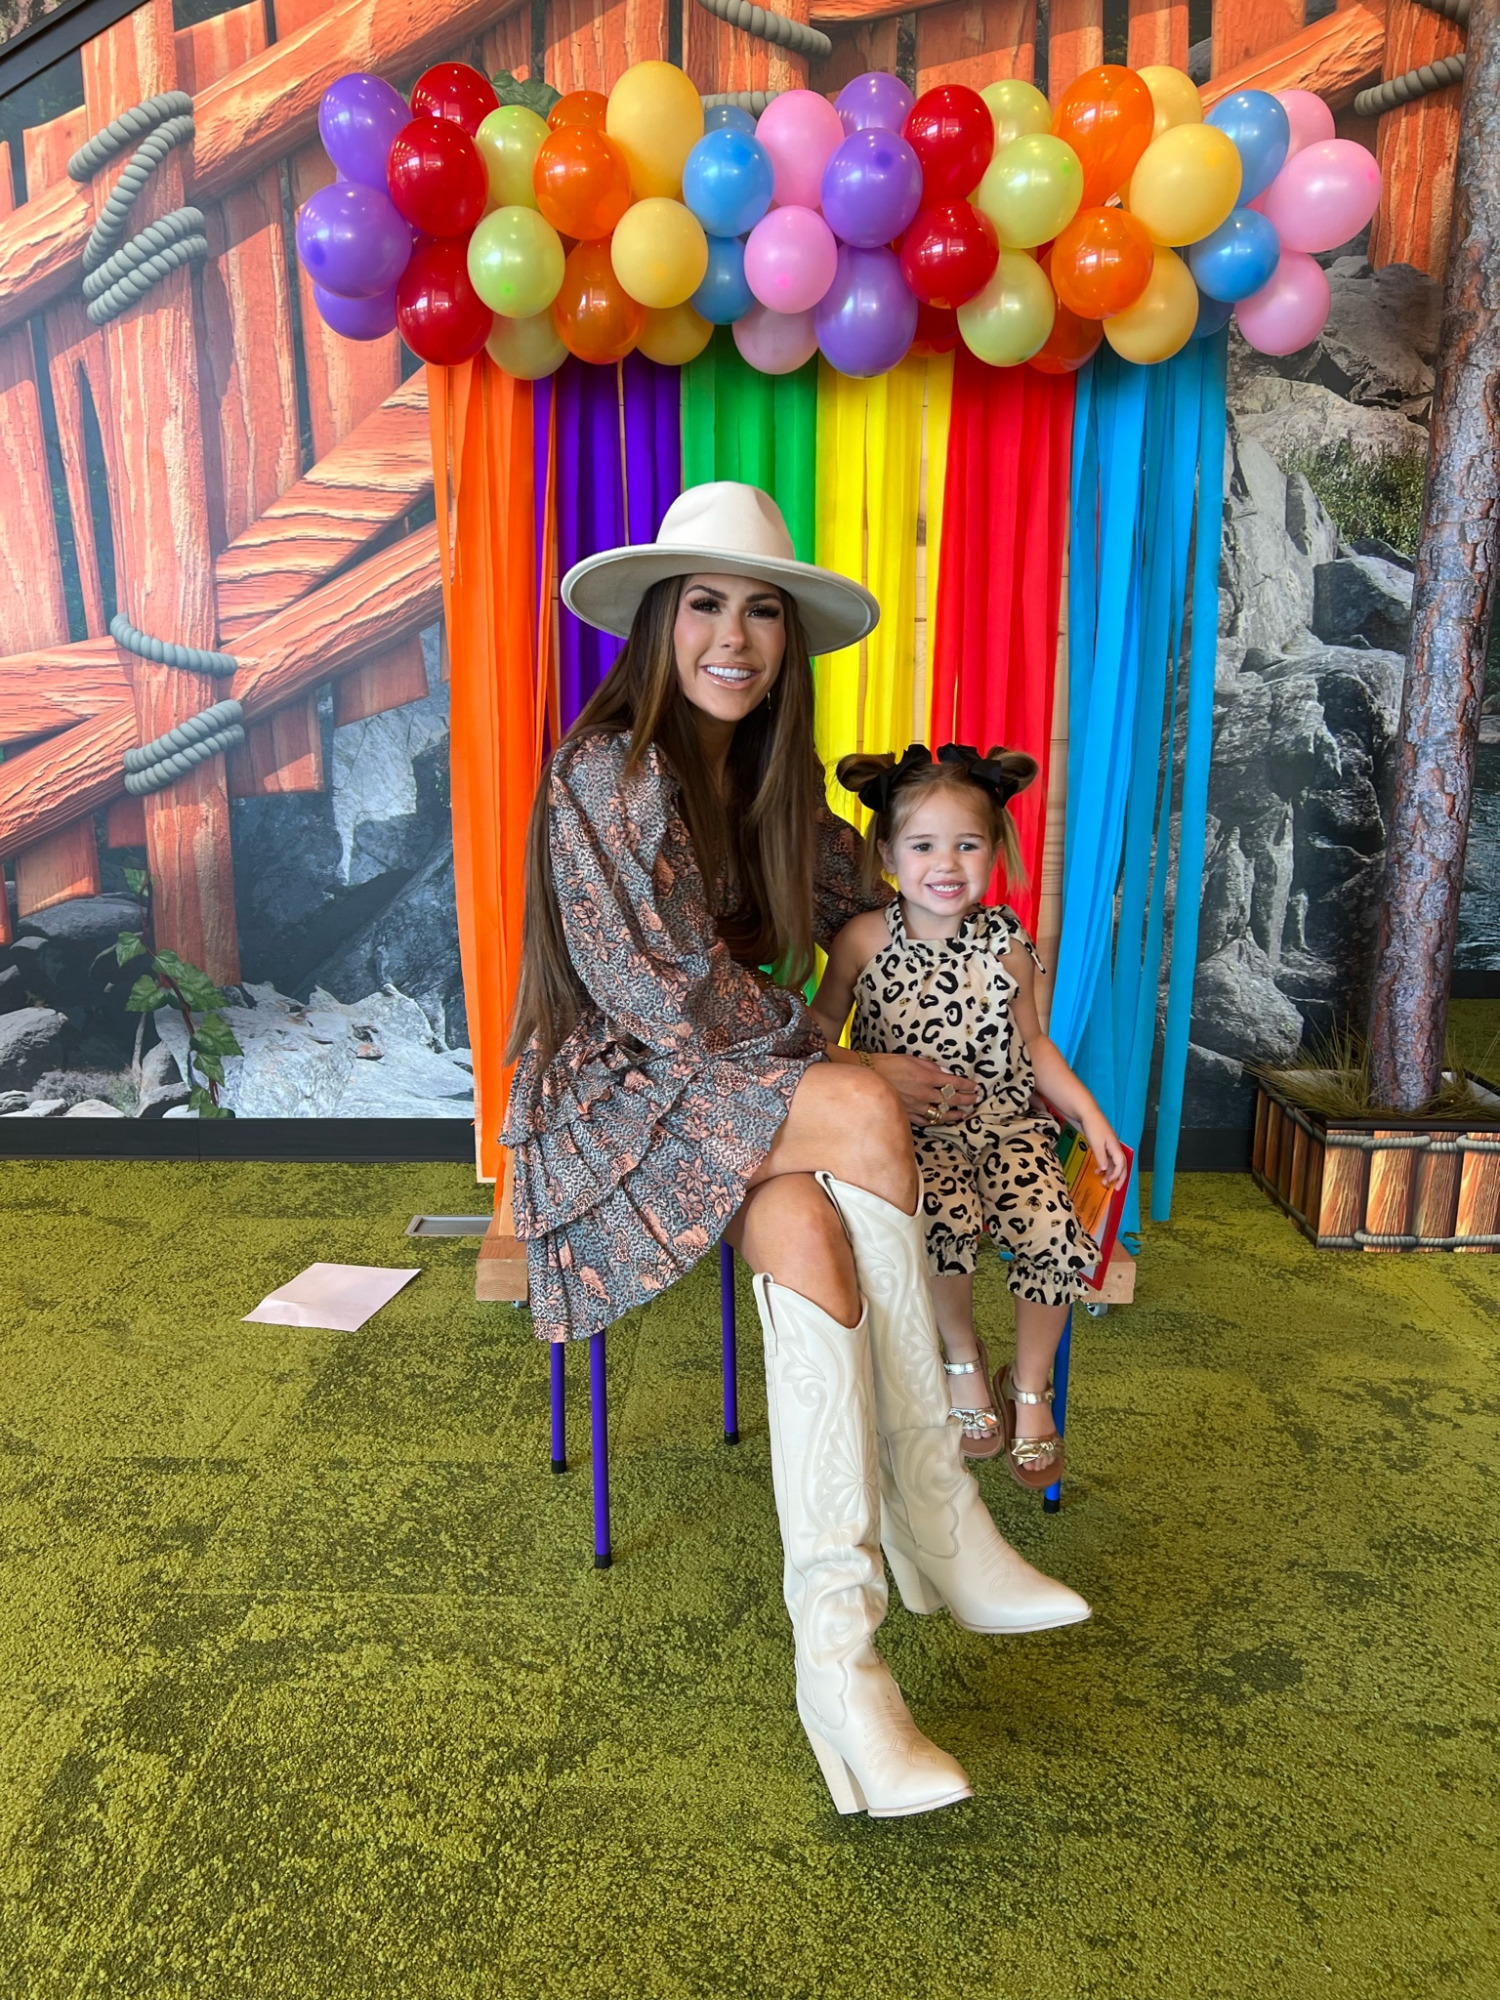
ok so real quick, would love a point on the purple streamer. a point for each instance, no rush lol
(591, 494)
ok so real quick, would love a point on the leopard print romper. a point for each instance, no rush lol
(950, 1001)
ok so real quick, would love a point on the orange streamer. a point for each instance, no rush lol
(482, 459)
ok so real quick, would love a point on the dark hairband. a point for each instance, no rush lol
(878, 792)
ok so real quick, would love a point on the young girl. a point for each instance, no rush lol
(937, 975)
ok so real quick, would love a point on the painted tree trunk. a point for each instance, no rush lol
(1451, 603)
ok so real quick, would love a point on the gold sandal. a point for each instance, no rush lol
(984, 1431)
(1035, 1463)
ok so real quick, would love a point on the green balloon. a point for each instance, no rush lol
(1031, 190)
(527, 348)
(1012, 317)
(1016, 107)
(509, 140)
(516, 262)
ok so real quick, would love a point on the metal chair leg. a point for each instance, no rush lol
(599, 1427)
(731, 1367)
(1052, 1498)
(559, 1409)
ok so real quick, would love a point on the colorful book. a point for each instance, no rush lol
(1097, 1206)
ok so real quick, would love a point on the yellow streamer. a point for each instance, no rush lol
(939, 412)
(868, 508)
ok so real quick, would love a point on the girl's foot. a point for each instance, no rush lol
(971, 1399)
(1034, 1453)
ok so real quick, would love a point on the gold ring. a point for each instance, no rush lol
(932, 1114)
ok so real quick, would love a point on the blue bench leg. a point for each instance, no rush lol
(599, 1425)
(559, 1410)
(731, 1368)
(1052, 1498)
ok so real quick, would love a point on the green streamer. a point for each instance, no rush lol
(763, 429)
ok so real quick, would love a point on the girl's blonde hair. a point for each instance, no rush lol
(895, 790)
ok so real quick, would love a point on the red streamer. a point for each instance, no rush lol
(1005, 526)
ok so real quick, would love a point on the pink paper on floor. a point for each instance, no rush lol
(339, 1297)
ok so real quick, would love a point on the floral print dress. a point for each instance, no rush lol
(633, 1147)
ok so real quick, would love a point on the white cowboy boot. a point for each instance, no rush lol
(939, 1539)
(823, 1467)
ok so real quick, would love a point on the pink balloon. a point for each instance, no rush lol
(790, 258)
(800, 130)
(1289, 310)
(774, 342)
(1308, 116)
(1323, 195)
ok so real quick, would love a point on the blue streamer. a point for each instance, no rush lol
(1147, 447)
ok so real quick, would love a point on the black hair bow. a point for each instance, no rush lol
(986, 771)
(877, 792)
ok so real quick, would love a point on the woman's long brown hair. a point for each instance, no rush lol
(765, 830)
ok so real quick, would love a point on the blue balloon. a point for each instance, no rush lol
(727, 118)
(1238, 258)
(727, 181)
(724, 297)
(1213, 316)
(1261, 132)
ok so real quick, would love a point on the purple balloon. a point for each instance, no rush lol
(875, 101)
(351, 240)
(357, 120)
(872, 187)
(868, 318)
(357, 319)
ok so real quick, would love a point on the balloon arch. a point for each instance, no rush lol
(861, 229)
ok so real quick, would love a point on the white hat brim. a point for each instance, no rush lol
(606, 590)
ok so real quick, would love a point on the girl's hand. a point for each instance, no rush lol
(921, 1085)
(1104, 1143)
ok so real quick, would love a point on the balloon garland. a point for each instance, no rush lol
(857, 229)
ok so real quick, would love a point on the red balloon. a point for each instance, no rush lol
(441, 316)
(952, 133)
(437, 179)
(579, 107)
(937, 330)
(456, 91)
(949, 253)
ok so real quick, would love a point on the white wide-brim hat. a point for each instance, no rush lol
(721, 529)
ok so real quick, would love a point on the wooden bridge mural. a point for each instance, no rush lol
(222, 539)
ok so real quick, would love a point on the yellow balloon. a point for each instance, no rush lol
(1012, 317)
(655, 117)
(1162, 318)
(509, 141)
(1031, 190)
(1174, 94)
(659, 252)
(1185, 183)
(1017, 108)
(674, 336)
(527, 348)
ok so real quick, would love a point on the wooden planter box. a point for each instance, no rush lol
(1360, 1184)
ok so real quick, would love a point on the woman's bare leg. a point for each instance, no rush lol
(846, 1122)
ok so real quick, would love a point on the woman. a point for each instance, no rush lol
(668, 1093)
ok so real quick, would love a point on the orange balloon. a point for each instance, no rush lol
(1101, 262)
(582, 182)
(1107, 116)
(596, 317)
(579, 107)
(1072, 340)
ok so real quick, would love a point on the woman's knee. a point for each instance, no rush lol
(790, 1230)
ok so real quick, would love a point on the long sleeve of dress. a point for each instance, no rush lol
(634, 1146)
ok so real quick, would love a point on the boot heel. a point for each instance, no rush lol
(842, 1784)
(918, 1593)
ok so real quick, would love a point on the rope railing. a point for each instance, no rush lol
(161, 763)
(117, 272)
(1414, 84)
(777, 29)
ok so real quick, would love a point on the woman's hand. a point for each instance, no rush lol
(1104, 1144)
(929, 1094)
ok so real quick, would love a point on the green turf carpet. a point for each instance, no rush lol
(309, 1691)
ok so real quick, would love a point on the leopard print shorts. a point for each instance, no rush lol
(1006, 1179)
